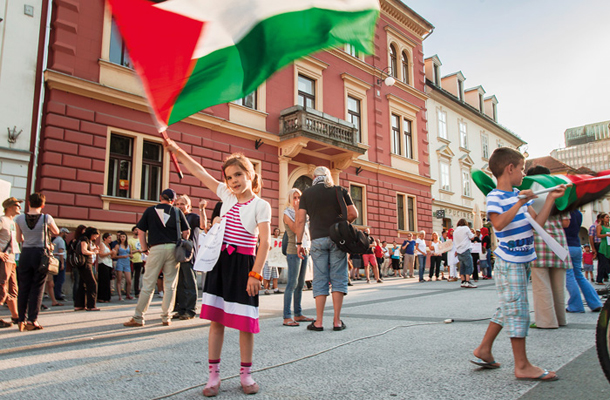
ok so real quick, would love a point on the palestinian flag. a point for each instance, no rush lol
(583, 189)
(193, 54)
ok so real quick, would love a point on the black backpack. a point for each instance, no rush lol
(75, 256)
(347, 238)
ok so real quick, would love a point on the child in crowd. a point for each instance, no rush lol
(230, 292)
(507, 212)
(587, 262)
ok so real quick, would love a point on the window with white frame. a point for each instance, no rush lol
(485, 145)
(393, 61)
(353, 112)
(463, 134)
(351, 50)
(405, 212)
(445, 176)
(357, 194)
(408, 138)
(466, 183)
(442, 123)
(307, 92)
(396, 145)
(248, 101)
(118, 51)
(405, 68)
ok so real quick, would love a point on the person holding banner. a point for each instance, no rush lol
(230, 292)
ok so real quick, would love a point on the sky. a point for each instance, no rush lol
(547, 62)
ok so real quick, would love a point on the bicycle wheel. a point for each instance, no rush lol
(602, 338)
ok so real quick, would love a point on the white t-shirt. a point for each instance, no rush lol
(461, 238)
(421, 245)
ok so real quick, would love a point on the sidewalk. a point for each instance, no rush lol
(396, 346)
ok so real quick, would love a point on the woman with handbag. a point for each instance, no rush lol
(31, 230)
(87, 285)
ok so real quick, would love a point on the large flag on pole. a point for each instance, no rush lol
(193, 54)
(582, 189)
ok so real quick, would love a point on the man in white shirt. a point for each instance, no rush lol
(462, 239)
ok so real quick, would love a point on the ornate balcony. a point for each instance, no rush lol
(298, 121)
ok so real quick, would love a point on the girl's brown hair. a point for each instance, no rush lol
(243, 163)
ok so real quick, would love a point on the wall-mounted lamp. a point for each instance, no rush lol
(358, 170)
(389, 80)
(13, 134)
(258, 143)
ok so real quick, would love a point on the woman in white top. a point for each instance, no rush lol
(104, 269)
(436, 257)
(421, 251)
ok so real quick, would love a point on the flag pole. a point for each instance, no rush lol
(173, 156)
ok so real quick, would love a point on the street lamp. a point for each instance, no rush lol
(389, 80)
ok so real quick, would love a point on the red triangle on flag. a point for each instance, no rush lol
(161, 45)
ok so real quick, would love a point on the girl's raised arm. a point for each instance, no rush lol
(193, 166)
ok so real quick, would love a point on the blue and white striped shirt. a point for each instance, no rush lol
(517, 238)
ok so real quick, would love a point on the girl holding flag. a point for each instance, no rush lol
(230, 292)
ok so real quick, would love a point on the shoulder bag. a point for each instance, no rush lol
(184, 248)
(47, 261)
(347, 238)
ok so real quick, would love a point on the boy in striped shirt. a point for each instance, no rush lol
(515, 251)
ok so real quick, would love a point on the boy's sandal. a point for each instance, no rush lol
(485, 364)
(543, 377)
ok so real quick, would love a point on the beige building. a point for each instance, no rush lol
(586, 146)
(463, 131)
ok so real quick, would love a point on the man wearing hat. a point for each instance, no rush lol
(162, 227)
(8, 248)
(60, 253)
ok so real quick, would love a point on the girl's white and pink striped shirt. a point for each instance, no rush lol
(235, 233)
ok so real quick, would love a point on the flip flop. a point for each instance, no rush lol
(542, 377)
(485, 364)
(291, 323)
(304, 319)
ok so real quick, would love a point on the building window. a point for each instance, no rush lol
(461, 90)
(353, 111)
(481, 103)
(118, 51)
(393, 62)
(357, 194)
(408, 138)
(442, 124)
(437, 77)
(445, 176)
(405, 212)
(351, 50)
(466, 183)
(120, 166)
(463, 135)
(152, 165)
(485, 145)
(405, 68)
(248, 101)
(499, 143)
(307, 92)
(396, 147)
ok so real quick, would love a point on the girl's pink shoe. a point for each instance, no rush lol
(212, 390)
(250, 389)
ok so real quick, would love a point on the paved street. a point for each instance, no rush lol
(396, 346)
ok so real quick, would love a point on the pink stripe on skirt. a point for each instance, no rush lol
(239, 322)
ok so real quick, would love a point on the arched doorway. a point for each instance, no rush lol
(302, 183)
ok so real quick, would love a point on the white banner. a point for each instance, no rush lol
(558, 249)
(210, 246)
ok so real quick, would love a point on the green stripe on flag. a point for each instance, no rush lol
(232, 73)
(548, 181)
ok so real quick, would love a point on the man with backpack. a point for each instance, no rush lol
(162, 223)
(324, 203)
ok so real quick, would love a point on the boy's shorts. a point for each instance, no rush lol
(511, 285)
(270, 272)
(587, 267)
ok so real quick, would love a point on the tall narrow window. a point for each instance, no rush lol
(442, 123)
(461, 90)
(408, 138)
(411, 213)
(463, 135)
(485, 145)
(437, 77)
(307, 92)
(466, 183)
(396, 147)
(445, 176)
(405, 68)
(356, 192)
(353, 111)
(119, 166)
(118, 51)
(400, 211)
(393, 62)
(152, 165)
(351, 50)
(248, 101)
(481, 103)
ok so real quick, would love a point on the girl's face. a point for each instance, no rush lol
(237, 179)
(108, 239)
(296, 199)
(421, 235)
(122, 238)
(606, 219)
(276, 232)
(434, 237)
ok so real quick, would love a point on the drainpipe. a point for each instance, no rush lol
(45, 57)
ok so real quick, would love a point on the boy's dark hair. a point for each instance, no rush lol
(538, 170)
(501, 157)
(37, 200)
(462, 222)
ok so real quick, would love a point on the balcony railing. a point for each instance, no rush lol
(299, 121)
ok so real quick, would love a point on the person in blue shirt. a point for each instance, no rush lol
(408, 257)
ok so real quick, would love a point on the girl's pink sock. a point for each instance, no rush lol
(245, 374)
(214, 370)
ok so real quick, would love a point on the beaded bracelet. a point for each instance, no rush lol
(256, 275)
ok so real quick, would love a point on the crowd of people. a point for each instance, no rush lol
(248, 258)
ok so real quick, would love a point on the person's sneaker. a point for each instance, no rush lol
(267, 291)
(277, 291)
(160, 294)
(470, 285)
(463, 284)
(133, 323)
